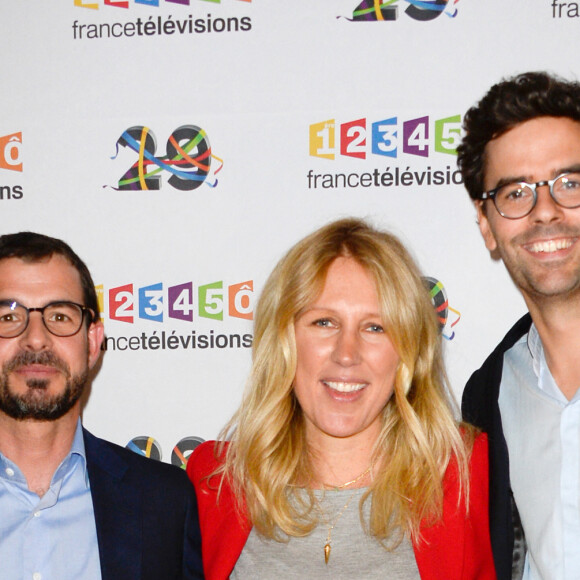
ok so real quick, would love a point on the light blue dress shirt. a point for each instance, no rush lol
(542, 431)
(52, 537)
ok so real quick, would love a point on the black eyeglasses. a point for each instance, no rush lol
(60, 318)
(517, 200)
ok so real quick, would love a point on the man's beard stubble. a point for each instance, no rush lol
(35, 404)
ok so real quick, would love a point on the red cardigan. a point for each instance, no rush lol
(457, 548)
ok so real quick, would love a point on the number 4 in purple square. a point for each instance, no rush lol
(180, 300)
(416, 136)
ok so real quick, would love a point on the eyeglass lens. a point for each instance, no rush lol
(517, 199)
(60, 318)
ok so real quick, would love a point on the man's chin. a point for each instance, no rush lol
(36, 408)
(37, 403)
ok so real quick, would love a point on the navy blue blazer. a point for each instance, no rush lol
(480, 407)
(145, 513)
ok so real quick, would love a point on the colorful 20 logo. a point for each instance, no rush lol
(374, 10)
(149, 447)
(188, 159)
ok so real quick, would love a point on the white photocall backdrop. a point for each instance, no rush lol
(304, 111)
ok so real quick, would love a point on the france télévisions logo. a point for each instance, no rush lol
(11, 152)
(187, 162)
(388, 10)
(385, 137)
(159, 303)
(125, 3)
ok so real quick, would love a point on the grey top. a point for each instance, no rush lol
(354, 554)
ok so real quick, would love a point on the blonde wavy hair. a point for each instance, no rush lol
(268, 459)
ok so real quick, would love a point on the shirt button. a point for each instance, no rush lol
(37, 576)
(37, 514)
(9, 471)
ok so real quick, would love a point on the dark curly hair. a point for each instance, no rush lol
(508, 103)
(33, 247)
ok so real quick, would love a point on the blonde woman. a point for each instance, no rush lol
(344, 459)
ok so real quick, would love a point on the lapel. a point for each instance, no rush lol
(117, 505)
(224, 530)
(480, 407)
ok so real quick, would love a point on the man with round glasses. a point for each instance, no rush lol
(60, 318)
(520, 161)
(73, 505)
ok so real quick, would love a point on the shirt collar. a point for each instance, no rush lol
(78, 448)
(536, 348)
(76, 454)
(546, 382)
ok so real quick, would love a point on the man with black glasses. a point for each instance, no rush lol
(520, 161)
(73, 506)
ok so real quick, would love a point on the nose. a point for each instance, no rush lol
(347, 347)
(36, 337)
(546, 209)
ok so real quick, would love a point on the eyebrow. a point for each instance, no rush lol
(525, 179)
(332, 311)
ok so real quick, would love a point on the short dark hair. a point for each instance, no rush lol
(507, 104)
(33, 247)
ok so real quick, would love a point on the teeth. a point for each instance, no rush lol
(551, 246)
(344, 387)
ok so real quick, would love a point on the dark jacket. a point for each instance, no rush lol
(480, 407)
(145, 513)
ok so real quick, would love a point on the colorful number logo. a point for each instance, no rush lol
(125, 3)
(11, 152)
(212, 301)
(386, 137)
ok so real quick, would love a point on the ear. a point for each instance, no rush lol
(484, 227)
(95, 336)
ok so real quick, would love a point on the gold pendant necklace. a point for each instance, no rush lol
(327, 545)
(331, 526)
